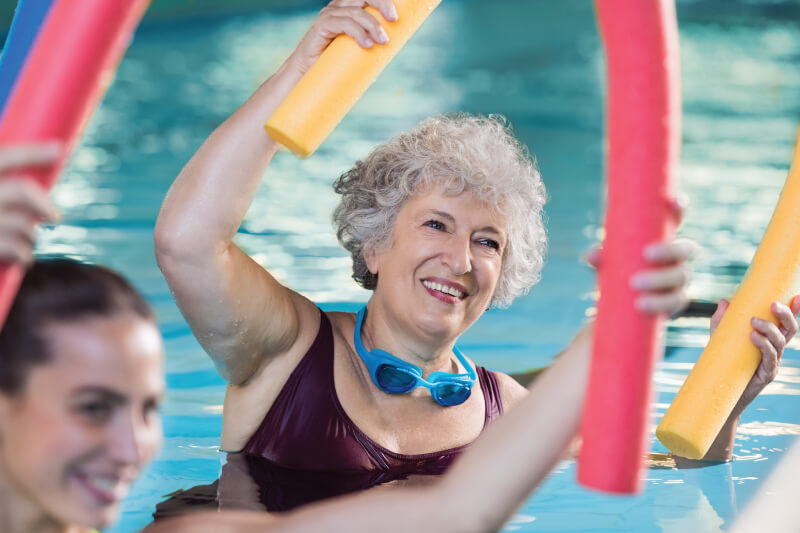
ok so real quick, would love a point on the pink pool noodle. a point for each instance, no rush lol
(65, 74)
(641, 43)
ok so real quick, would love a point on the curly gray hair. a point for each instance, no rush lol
(457, 153)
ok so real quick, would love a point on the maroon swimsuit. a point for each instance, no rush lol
(307, 428)
(307, 448)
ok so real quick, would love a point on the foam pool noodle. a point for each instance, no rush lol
(715, 384)
(28, 18)
(69, 65)
(643, 131)
(334, 83)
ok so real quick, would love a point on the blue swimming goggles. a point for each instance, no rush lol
(395, 376)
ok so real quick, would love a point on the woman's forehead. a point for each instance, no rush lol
(457, 205)
(118, 350)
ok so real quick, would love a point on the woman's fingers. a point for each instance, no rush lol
(17, 226)
(360, 25)
(594, 257)
(677, 251)
(348, 26)
(663, 287)
(386, 7)
(15, 251)
(29, 155)
(26, 197)
(371, 25)
(22, 205)
(786, 319)
(662, 279)
(23, 195)
(351, 19)
(657, 254)
(771, 332)
(677, 207)
(794, 305)
(769, 356)
(17, 231)
(662, 303)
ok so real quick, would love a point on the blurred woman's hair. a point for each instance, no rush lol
(455, 153)
(58, 290)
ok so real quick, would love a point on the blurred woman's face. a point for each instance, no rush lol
(86, 422)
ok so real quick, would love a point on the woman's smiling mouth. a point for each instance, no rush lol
(106, 490)
(444, 291)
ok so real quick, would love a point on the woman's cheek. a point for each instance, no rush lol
(154, 443)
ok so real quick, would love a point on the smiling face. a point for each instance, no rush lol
(86, 421)
(441, 268)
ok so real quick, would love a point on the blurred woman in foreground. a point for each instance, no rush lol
(81, 376)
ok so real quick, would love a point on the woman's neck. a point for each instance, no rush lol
(19, 514)
(382, 330)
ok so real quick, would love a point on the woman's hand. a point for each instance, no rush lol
(23, 204)
(770, 339)
(662, 288)
(342, 16)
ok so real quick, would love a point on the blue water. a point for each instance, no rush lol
(540, 64)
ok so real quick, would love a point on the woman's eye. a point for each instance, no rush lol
(490, 243)
(435, 224)
(151, 408)
(95, 412)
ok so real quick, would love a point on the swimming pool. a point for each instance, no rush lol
(540, 64)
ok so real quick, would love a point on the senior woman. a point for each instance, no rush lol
(442, 222)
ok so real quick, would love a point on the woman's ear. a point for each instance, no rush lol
(371, 259)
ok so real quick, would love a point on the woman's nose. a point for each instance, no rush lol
(132, 440)
(458, 255)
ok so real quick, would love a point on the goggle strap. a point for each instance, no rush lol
(374, 359)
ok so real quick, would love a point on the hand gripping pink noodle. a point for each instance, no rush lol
(64, 75)
(641, 42)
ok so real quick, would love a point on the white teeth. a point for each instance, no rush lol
(443, 288)
(101, 483)
(108, 485)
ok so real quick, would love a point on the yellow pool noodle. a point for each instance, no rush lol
(723, 370)
(338, 78)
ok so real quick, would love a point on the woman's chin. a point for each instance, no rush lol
(91, 514)
(101, 519)
(441, 325)
(98, 519)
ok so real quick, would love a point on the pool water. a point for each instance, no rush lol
(541, 65)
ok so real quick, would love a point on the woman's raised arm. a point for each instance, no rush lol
(240, 314)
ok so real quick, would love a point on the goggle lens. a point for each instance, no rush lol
(450, 394)
(395, 380)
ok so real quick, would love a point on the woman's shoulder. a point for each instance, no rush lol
(342, 323)
(511, 391)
